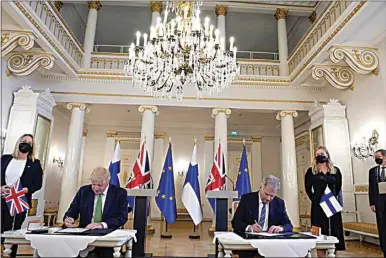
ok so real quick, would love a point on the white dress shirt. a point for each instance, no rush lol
(14, 170)
(104, 194)
(265, 226)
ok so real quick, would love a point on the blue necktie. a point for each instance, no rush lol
(262, 216)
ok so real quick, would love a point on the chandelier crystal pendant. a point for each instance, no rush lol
(182, 53)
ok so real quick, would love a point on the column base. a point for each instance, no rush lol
(150, 230)
(166, 235)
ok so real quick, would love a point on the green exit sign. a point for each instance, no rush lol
(233, 133)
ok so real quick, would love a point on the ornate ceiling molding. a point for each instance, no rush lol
(221, 10)
(281, 13)
(156, 6)
(362, 60)
(22, 64)
(11, 39)
(340, 77)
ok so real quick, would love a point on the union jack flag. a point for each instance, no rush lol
(16, 200)
(140, 176)
(216, 180)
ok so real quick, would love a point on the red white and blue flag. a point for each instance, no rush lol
(16, 199)
(216, 180)
(140, 176)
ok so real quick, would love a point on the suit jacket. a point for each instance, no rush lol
(374, 197)
(115, 210)
(248, 211)
(31, 178)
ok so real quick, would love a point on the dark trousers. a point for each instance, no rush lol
(381, 223)
(101, 252)
(6, 224)
(247, 254)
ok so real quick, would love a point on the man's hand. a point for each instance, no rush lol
(25, 189)
(275, 229)
(69, 222)
(4, 190)
(372, 207)
(94, 225)
(255, 228)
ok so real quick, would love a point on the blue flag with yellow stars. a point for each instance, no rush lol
(243, 185)
(166, 198)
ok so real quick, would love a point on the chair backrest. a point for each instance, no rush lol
(235, 204)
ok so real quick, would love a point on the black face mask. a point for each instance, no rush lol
(321, 159)
(379, 161)
(25, 147)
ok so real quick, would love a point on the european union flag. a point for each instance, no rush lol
(243, 184)
(166, 198)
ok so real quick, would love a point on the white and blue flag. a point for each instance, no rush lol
(329, 203)
(115, 166)
(191, 190)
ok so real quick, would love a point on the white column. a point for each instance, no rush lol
(89, 37)
(257, 173)
(109, 147)
(72, 159)
(156, 169)
(208, 162)
(147, 133)
(80, 175)
(221, 12)
(280, 16)
(289, 179)
(156, 10)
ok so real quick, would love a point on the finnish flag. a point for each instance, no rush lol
(329, 203)
(191, 190)
(115, 166)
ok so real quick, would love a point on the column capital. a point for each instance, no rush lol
(85, 131)
(312, 17)
(58, 5)
(156, 6)
(281, 13)
(256, 138)
(153, 109)
(221, 9)
(94, 5)
(285, 113)
(209, 137)
(111, 133)
(217, 111)
(159, 135)
(81, 106)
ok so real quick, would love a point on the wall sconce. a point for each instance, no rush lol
(59, 161)
(366, 149)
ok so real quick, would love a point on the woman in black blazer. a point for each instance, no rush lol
(21, 164)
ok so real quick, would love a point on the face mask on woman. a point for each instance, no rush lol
(25, 147)
(321, 158)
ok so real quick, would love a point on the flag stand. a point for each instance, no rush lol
(194, 235)
(166, 234)
(329, 226)
(13, 223)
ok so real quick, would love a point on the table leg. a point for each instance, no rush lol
(309, 254)
(128, 248)
(7, 249)
(228, 253)
(117, 252)
(35, 254)
(331, 252)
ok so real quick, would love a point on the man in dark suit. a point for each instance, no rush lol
(100, 205)
(377, 200)
(261, 211)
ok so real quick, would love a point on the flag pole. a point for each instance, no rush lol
(329, 226)
(194, 235)
(13, 223)
(166, 233)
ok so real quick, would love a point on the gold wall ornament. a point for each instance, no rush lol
(221, 10)
(94, 5)
(85, 131)
(362, 60)
(156, 6)
(159, 135)
(284, 113)
(217, 111)
(153, 109)
(11, 39)
(209, 137)
(281, 13)
(22, 64)
(340, 77)
(111, 133)
(58, 5)
(256, 138)
(81, 106)
(312, 17)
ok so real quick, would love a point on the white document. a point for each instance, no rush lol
(265, 234)
(72, 230)
(382, 187)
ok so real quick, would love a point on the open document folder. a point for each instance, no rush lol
(268, 234)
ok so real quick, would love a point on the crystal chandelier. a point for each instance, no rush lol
(182, 53)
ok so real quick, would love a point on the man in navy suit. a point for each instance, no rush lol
(261, 211)
(100, 205)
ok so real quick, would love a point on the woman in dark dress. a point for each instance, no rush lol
(323, 173)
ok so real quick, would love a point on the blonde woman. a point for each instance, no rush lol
(21, 164)
(323, 173)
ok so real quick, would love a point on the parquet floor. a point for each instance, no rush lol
(181, 246)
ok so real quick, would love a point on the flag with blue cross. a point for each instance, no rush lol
(329, 203)
(166, 198)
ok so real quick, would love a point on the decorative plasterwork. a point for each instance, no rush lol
(281, 13)
(94, 5)
(334, 110)
(153, 109)
(340, 77)
(217, 111)
(111, 133)
(46, 101)
(156, 6)
(81, 106)
(159, 135)
(256, 138)
(284, 113)
(58, 5)
(312, 17)
(221, 10)
(85, 131)
(361, 189)
(11, 39)
(22, 64)
(361, 59)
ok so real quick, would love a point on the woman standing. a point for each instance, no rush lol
(322, 174)
(20, 165)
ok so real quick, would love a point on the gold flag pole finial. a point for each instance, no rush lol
(243, 141)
